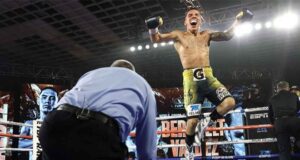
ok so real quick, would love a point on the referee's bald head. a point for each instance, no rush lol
(123, 63)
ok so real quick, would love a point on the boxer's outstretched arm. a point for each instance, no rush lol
(160, 37)
(221, 36)
(225, 35)
(243, 16)
(153, 24)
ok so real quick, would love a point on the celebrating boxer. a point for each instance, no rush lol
(192, 47)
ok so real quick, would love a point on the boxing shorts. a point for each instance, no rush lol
(198, 84)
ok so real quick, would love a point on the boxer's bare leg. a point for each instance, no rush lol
(227, 105)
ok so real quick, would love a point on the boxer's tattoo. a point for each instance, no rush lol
(221, 36)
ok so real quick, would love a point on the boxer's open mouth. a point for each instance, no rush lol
(193, 21)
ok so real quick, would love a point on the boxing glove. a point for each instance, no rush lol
(244, 15)
(153, 23)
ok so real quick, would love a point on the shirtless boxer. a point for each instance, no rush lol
(192, 47)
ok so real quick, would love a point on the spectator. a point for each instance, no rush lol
(255, 97)
(296, 90)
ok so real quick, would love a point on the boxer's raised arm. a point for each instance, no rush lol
(153, 24)
(243, 16)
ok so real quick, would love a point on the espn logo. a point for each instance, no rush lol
(259, 115)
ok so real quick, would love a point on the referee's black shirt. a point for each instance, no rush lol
(283, 104)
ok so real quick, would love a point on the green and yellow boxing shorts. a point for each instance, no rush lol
(199, 83)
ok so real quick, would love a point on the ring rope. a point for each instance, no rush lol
(246, 141)
(14, 136)
(164, 132)
(15, 123)
(261, 156)
(158, 118)
(207, 114)
(258, 156)
(16, 149)
(264, 140)
(240, 127)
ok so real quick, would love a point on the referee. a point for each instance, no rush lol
(283, 114)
